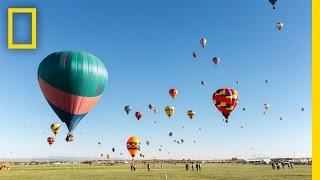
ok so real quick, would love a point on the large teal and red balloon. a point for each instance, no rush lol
(72, 83)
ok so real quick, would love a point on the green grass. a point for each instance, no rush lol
(122, 171)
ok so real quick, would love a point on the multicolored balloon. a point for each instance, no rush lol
(55, 128)
(138, 115)
(279, 25)
(169, 111)
(50, 140)
(72, 82)
(225, 100)
(127, 109)
(191, 113)
(173, 92)
(273, 3)
(203, 42)
(216, 60)
(133, 146)
(194, 54)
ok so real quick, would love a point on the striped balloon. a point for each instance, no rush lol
(225, 100)
(133, 145)
(72, 82)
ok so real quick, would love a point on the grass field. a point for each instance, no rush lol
(122, 171)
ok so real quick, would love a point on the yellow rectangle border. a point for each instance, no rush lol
(315, 90)
(11, 44)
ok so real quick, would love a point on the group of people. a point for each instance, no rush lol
(279, 165)
(133, 167)
(194, 166)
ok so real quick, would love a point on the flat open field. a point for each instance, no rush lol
(122, 171)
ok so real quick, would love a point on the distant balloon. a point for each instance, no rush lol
(101, 155)
(127, 109)
(173, 92)
(203, 42)
(266, 106)
(191, 113)
(194, 54)
(148, 143)
(182, 141)
(138, 115)
(150, 106)
(302, 109)
(50, 140)
(155, 111)
(243, 109)
(266, 81)
(273, 3)
(133, 145)
(280, 118)
(216, 60)
(203, 83)
(237, 82)
(279, 25)
(169, 111)
(55, 128)
(99, 143)
(170, 134)
(113, 149)
(225, 100)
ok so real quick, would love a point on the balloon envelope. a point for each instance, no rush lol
(173, 92)
(55, 128)
(72, 83)
(133, 145)
(225, 100)
(169, 111)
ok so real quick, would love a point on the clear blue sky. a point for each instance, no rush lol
(146, 47)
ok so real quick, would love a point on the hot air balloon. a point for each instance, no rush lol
(169, 111)
(72, 82)
(101, 155)
(55, 128)
(216, 60)
(173, 92)
(225, 100)
(99, 143)
(127, 109)
(133, 145)
(113, 149)
(194, 54)
(191, 114)
(203, 42)
(203, 83)
(170, 134)
(108, 156)
(155, 111)
(182, 141)
(237, 82)
(273, 3)
(266, 81)
(302, 109)
(150, 106)
(243, 109)
(148, 143)
(50, 140)
(266, 106)
(279, 25)
(138, 115)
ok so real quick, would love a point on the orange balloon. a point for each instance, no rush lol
(133, 145)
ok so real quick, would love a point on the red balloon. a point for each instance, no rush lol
(225, 100)
(50, 140)
(173, 92)
(138, 115)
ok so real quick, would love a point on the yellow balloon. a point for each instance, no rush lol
(55, 128)
(169, 111)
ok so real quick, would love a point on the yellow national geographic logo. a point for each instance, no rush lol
(33, 44)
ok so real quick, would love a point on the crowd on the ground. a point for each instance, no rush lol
(281, 165)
